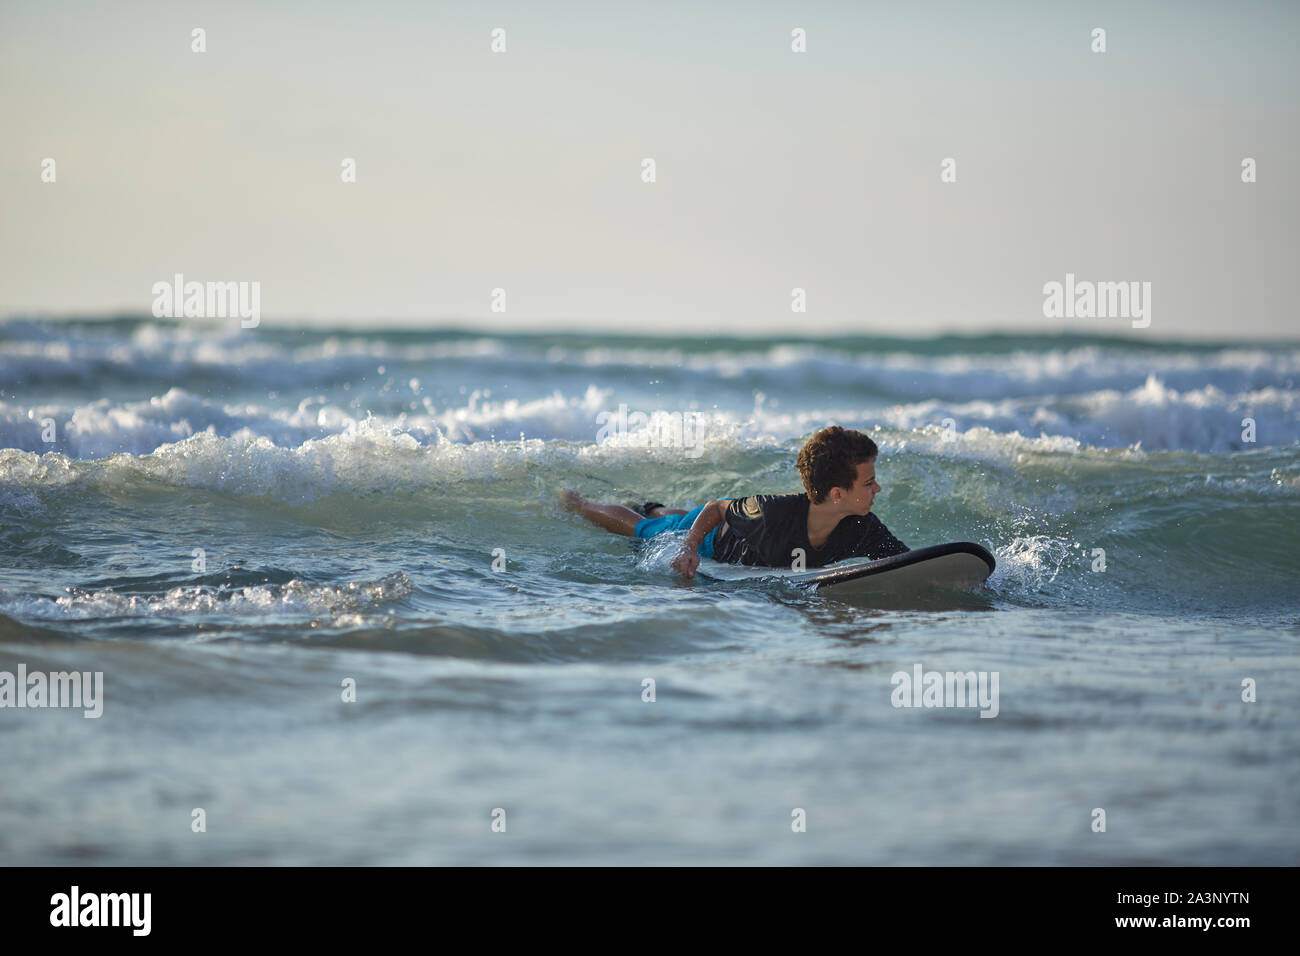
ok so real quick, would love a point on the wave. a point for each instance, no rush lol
(1152, 416)
(1169, 522)
(135, 387)
(370, 456)
(949, 368)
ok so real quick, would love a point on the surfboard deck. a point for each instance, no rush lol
(959, 565)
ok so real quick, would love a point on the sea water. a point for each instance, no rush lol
(339, 616)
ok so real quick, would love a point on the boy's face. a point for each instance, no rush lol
(857, 500)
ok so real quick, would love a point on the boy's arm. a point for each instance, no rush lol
(708, 519)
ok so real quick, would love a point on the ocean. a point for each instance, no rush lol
(341, 619)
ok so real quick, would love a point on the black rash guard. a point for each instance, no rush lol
(765, 529)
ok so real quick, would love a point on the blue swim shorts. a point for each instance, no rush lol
(649, 527)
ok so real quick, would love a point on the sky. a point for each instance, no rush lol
(774, 170)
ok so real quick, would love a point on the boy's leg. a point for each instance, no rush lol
(613, 518)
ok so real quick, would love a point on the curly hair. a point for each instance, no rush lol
(830, 459)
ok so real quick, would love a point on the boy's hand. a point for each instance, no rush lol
(688, 560)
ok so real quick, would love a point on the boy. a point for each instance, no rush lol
(829, 523)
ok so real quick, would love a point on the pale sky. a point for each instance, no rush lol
(775, 169)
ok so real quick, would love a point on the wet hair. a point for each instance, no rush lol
(830, 459)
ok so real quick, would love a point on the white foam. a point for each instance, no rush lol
(255, 601)
(1027, 564)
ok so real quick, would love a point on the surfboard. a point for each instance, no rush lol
(959, 565)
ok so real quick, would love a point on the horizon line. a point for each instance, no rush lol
(554, 327)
